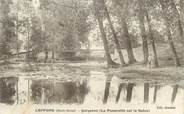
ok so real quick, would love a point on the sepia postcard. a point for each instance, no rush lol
(91, 56)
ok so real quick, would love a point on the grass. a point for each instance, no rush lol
(166, 70)
(163, 52)
(142, 72)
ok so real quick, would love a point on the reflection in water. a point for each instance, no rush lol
(46, 91)
(146, 92)
(175, 90)
(129, 92)
(40, 91)
(121, 85)
(155, 93)
(106, 93)
(107, 87)
(8, 89)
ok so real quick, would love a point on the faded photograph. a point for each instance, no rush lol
(101, 56)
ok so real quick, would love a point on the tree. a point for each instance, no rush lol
(143, 31)
(25, 23)
(114, 34)
(169, 35)
(38, 39)
(179, 22)
(7, 29)
(98, 16)
(123, 11)
(17, 28)
(66, 23)
(152, 40)
(128, 41)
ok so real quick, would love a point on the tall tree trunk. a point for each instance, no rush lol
(179, 22)
(143, 32)
(123, 14)
(182, 20)
(53, 59)
(28, 47)
(128, 41)
(170, 39)
(18, 55)
(152, 40)
(53, 47)
(17, 29)
(17, 42)
(114, 35)
(46, 56)
(110, 62)
(53, 55)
